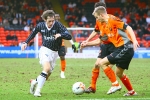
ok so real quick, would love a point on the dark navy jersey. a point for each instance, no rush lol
(48, 39)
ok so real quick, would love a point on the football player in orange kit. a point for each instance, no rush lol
(106, 48)
(62, 52)
(123, 38)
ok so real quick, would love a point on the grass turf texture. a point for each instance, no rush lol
(16, 73)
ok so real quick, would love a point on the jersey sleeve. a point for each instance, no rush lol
(33, 33)
(96, 28)
(64, 32)
(119, 23)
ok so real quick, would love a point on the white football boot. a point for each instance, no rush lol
(130, 93)
(114, 88)
(32, 86)
(37, 93)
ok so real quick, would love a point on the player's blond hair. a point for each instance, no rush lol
(47, 13)
(99, 10)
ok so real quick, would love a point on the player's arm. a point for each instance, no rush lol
(131, 32)
(30, 37)
(73, 46)
(91, 35)
(94, 42)
(120, 24)
(63, 32)
(91, 43)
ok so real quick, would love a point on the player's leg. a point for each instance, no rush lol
(126, 81)
(47, 60)
(124, 65)
(111, 75)
(110, 48)
(34, 83)
(95, 75)
(42, 78)
(96, 70)
(63, 66)
(62, 53)
(122, 57)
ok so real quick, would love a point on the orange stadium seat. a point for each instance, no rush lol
(2, 32)
(6, 32)
(79, 39)
(11, 32)
(1, 29)
(23, 38)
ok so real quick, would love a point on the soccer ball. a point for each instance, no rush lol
(78, 88)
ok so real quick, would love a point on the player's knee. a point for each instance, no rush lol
(47, 68)
(119, 74)
(100, 64)
(62, 57)
(97, 65)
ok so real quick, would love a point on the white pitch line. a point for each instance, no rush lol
(116, 99)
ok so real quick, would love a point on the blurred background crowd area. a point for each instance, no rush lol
(19, 17)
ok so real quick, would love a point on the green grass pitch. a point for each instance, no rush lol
(16, 73)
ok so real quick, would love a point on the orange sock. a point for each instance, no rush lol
(110, 74)
(95, 74)
(125, 80)
(63, 65)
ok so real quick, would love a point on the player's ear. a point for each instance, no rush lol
(101, 15)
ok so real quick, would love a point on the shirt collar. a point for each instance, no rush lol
(47, 26)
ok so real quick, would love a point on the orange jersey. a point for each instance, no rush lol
(97, 29)
(63, 43)
(114, 31)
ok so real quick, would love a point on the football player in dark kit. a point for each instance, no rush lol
(53, 32)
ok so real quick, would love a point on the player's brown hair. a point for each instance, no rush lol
(47, 13)
(101, 3)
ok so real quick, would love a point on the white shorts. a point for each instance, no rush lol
(47, 55)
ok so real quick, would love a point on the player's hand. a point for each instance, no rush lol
(73, 47)
(57, 36)
(135, 45)
(23, 46)
(84, 43)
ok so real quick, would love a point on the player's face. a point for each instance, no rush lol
(50, 21)
(57, 18)
(99, 17)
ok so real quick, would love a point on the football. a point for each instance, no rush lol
(78, 88)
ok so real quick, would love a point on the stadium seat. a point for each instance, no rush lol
(12, 32)
(37, 17)
(6, 32)
(1, 29)
(6, 44)
(65, 7)
(79, 39)
(23, 38)
(2, 32)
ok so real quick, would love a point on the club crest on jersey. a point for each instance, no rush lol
(53, 31)
(42, 30)
(110, 35)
